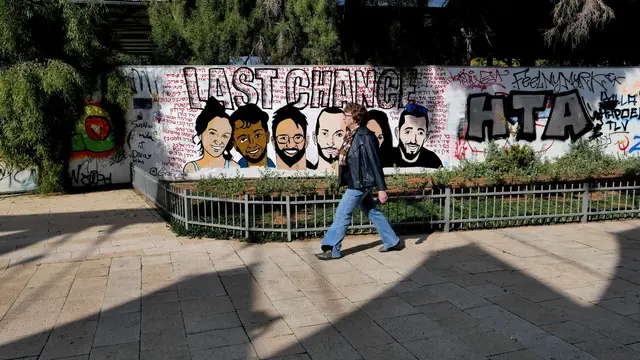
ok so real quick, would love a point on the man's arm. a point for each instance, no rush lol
(371, 152)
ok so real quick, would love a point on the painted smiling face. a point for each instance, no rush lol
(412, 135)
(216, 137)
(290, 141)
(251, 140)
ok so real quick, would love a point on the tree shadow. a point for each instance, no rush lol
(463, 302)
(58, 229)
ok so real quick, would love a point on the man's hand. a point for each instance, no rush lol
(382, 196)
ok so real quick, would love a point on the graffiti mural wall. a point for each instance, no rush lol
(190, 121)
(96, 158)
(12, 181)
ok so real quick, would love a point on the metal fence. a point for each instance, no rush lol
(290, 217)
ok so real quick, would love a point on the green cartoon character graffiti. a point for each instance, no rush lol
(94, 133)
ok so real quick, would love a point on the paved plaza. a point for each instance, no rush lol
(100, 276)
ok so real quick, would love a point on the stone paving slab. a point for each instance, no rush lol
(101, 276)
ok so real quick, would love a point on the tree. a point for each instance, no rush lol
(53, 55)
(216, 31)
(573, 19)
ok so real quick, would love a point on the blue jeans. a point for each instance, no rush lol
(348, 203)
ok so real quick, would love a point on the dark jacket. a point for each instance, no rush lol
(364, 162)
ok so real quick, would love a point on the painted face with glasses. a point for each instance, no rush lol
(290, 140)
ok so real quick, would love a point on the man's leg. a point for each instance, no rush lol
(389, 237)
(334, 236)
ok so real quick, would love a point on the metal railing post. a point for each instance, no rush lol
(187, 207)
(447, 209)
(585, 202)
(288, 218)
(146, 187)
(166, 198)
(246, 216)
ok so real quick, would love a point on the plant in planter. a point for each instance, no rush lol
(585, 160)
(222, 186)
(631, 166)
(442, 177)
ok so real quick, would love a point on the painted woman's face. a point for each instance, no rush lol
(377, 130)
(217, 136)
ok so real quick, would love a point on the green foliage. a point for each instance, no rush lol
(518, 164)
(520, 161)
(442, 177)
(222, 186)
(39, 104)
(631, 166)
(584, 160)
(270, 184)
(216, 31)
(521, 164)
(397, 180)
(167, 22)
(330, 183)
(53, 55)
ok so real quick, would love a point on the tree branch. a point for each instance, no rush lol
(573, 19)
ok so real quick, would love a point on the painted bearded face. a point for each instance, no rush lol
(290, 142)
(412, 136)
(330, 136)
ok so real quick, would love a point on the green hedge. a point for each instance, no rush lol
(521, 164)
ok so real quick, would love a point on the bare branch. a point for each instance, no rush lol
(272, 9)
(574, 18)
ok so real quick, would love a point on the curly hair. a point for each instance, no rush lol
(358, 112)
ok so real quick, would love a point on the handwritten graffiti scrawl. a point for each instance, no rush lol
(12, 180)
(290, 118)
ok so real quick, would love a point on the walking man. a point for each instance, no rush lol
(361, 172)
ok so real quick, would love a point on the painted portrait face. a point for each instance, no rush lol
(251, 141)
(290, 142)
(330, 136)
(216, 136)
(412, 135)
(377, 130)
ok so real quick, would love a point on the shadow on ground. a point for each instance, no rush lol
(21, 231)
(439, 311)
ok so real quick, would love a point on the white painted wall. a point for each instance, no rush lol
(160, 135)
(12, 181)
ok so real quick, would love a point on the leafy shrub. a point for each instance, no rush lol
(584, 160)
(520, 162)
(222, 186)
(442, 177)
(300, 184)
(397, 180)
(330, 182)
(631, 166)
